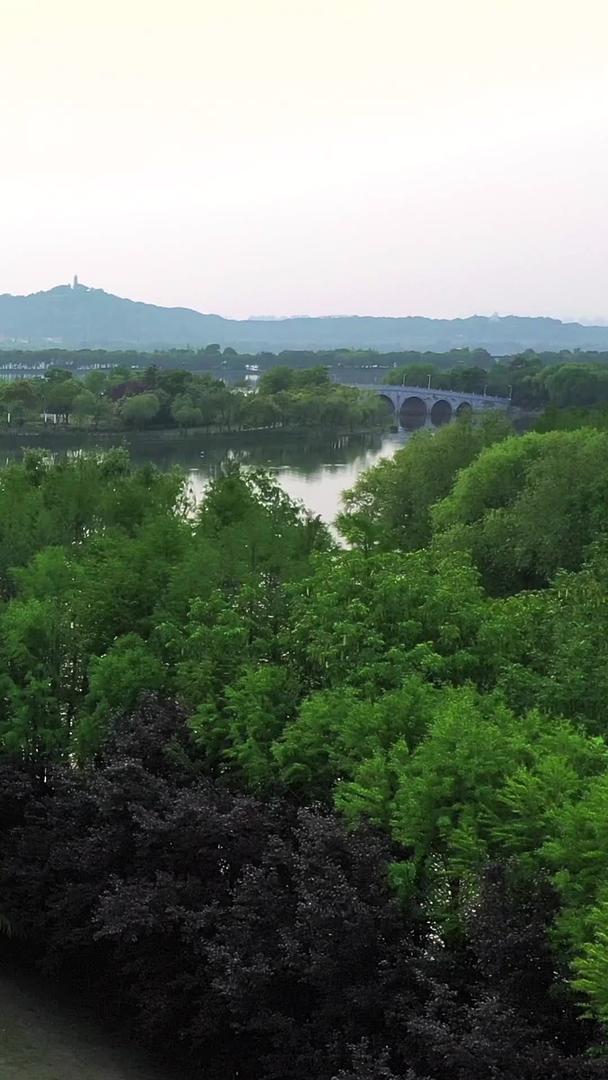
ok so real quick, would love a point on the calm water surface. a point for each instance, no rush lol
(313, 471)
(311, 468)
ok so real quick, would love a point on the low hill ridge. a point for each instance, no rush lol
(77, 316)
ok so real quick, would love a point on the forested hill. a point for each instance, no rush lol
(80, 316)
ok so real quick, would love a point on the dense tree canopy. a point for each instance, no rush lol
(292, 808)
(132, 398)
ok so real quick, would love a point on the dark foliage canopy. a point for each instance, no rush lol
(262, 939)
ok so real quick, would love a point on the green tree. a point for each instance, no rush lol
(41, 679)
(576, 385)
(89, 406)
(259, 705)
(260, 411)
(59, 394)
(140, 410)
(20, 398)
(278, 378)
(338, 731)
(369, 622)
(96, 381)
(390, 505)
(528, 507)
(591, 964)
(185, 412)
(116, 679)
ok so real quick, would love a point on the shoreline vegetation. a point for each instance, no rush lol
(155, 400)
(121, 436)
(115, 392)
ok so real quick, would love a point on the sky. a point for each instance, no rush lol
(281, 157)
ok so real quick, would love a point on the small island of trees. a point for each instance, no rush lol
(122, 400)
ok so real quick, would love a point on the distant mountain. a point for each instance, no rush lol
(77, 316)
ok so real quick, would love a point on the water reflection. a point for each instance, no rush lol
(311, 468)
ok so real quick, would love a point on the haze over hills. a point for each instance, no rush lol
(77, 316)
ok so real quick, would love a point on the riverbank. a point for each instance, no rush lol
(61, 433)
(43, 1037)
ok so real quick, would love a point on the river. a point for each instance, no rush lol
(313, 468)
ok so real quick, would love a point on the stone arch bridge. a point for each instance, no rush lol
(412, 405)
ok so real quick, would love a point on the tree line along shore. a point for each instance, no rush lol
(113, 395)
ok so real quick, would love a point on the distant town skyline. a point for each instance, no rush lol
(282, 157)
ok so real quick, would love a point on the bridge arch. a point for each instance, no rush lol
(441, 412)
(413, 412)
(411, 406)
(389, 405)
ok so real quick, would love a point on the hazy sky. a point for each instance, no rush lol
(436, 157)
